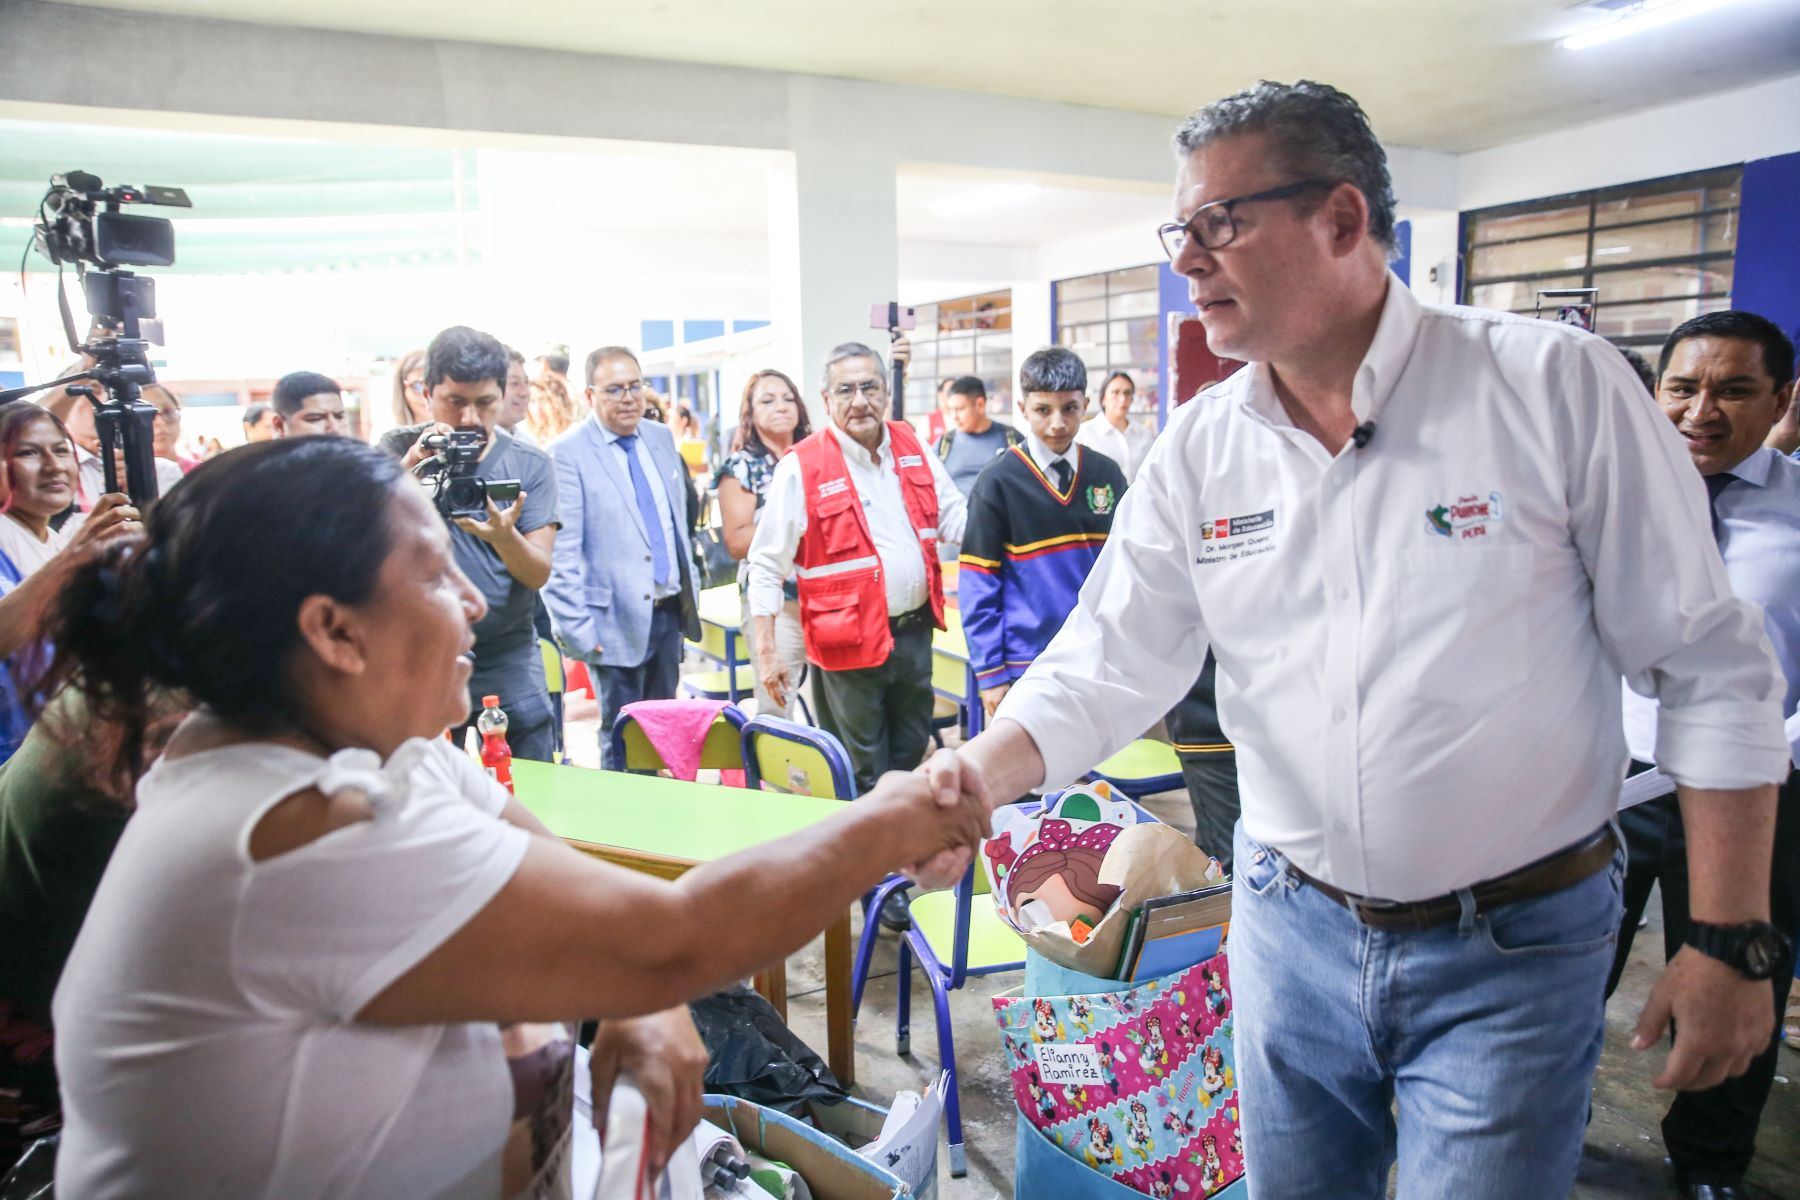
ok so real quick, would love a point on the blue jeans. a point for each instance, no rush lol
(1484, 1033)
(656, 678)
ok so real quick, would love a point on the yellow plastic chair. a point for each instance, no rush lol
(721, 751)
(556, 679)
(1143, 768)
(724, 684)
(785, 756)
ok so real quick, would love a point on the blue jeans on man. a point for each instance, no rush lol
(1483, 1033)
(656, 678)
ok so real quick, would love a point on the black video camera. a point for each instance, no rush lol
(72, 229)
(459, 493)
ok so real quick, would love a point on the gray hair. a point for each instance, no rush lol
(1052, 369)
(846, 350)
(1315, 132)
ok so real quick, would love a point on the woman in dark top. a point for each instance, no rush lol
(770, 422)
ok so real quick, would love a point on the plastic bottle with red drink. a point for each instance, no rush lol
(496, 755)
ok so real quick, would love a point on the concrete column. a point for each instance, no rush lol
(833, 244)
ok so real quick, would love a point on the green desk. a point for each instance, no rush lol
(950, 669)
(663, 827)
(721, 631)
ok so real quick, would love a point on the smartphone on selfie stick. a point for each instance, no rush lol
(896, 319)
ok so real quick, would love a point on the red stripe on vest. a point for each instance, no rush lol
(844, 614)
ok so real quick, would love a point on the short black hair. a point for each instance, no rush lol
(255, 413)
(513, 356)
(969, 385)
(1777, 348)
(556, 357)
(292, 389)
(1645, 372)
(1052, 369)
(464, 355)
(596, 357)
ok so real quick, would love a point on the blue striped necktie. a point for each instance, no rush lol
(646, 503)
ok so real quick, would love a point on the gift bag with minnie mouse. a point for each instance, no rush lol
(1138, 1085)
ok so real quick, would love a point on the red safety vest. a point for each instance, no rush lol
(843, 604)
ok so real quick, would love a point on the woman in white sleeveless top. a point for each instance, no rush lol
(294, 975)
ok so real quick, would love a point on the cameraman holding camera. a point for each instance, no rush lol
(507, 554)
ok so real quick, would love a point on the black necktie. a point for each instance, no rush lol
(1063, 473)
(1714, 485)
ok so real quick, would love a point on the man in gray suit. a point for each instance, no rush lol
(621, 591)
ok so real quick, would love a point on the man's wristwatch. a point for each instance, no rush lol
(1755, 948)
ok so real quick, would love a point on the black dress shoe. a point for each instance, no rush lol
(1714, 1191)
(893, 912)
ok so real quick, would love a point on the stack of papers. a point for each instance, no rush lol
(1171, 933)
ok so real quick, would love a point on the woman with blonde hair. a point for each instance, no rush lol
(552, 410)
(411, 405)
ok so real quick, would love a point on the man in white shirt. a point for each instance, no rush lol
(1112, 432)
(1414, 540)
(79, 416)
(855, 513)
(1726, 378)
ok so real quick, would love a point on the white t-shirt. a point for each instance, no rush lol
(27, 553)
(205, 1037)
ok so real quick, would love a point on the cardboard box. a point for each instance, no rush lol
(833, 1170)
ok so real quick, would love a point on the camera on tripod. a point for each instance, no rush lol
(79, 223)
(459, 492)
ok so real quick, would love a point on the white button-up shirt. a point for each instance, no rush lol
(1127, 447)
(877, 484)
(1041, 455)
(1759, 538)
(1420, 642)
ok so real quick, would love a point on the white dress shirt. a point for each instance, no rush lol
(877, 484)
(1126, 447)
(1041, 455)
(1420, 642)
(93, 477)
(1759, 539)
(665, 507)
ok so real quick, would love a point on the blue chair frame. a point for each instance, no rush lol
(733, 716)
(843, 779)
(1150, 785)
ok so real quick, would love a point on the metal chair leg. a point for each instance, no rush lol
(903, 999)
(865, 946)
(940, 996)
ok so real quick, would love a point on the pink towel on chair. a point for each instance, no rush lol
(677, 730)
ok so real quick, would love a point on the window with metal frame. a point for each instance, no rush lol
(970, 335)
(1110, 320)
(1658, 252)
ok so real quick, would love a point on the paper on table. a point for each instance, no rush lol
(1645, 785)
(907, 1145)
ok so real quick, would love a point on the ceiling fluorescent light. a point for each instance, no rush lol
(981, 199)
(1649, 14)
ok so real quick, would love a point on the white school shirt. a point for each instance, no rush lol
(1127, 447)
(27, 553)
(1420, 642)
(783, 521)
(93, 477)
(205, 1035)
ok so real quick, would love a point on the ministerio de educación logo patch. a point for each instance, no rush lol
(1466, 517)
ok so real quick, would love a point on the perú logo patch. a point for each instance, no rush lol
(1466, 517)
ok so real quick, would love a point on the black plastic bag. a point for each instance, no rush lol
(33, 1176)
(753, 1055)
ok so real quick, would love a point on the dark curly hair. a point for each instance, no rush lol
(204, 604)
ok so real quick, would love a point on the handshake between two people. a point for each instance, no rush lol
(952, 796)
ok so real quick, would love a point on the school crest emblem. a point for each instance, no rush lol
(1100, 498)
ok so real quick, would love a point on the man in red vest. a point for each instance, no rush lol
(856, 513)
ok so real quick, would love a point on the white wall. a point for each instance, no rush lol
(1690, 135)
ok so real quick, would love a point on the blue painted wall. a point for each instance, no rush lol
(1173, 296)
(1768, 245)
(656, 335)
(699, 331)
(1402, 263)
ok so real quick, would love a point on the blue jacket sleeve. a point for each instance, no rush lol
(565, 595)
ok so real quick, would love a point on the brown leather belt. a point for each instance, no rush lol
(1562, 869)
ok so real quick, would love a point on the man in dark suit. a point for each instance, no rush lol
(621, 593)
